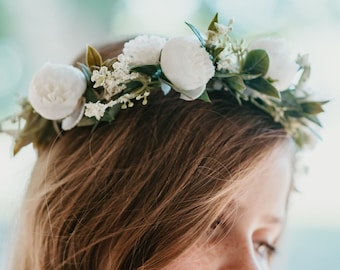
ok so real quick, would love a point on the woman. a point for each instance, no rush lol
(133, 175)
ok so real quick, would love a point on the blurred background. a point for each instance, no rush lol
(34, 32)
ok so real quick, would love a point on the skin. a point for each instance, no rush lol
(261, 213)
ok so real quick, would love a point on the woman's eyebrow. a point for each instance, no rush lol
(268, 218)
(273, 219)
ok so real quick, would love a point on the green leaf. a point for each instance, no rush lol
(86, 71)
(37, 130)
(289, 99)
(109, 62)
(215, 52)
(204, 96)
(312, 107)
(149, 70)
(293, 113)
(257, 62)
(313, 119)
(132, 85)
(224, 75)
(212, 23)
(299, 114)
(111, 112)
(87, 121)
(197, 33)
(248, 77)
(263, 86)
(91, 95)
(93, 57)
(235, 83)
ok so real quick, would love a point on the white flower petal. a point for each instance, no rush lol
(144, 50)
(74, 118)
(55, 90)
(96, 109)
(192, 94)
(186, 64)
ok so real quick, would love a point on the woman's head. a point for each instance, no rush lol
(140, 191)
(175, 175)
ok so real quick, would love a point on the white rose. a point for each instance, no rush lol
(187, 65)
(55, 90)
(74, 118)
(144, 50)
(282, 65)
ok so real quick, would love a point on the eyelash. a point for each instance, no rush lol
(271, 250)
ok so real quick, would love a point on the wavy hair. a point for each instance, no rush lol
(137, 192)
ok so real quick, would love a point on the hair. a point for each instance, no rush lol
(137, 192)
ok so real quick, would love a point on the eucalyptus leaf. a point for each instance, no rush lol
(257, 62)
(86, 71)
(197, 33)
(93, 57)
(164, 80)
(263, 86)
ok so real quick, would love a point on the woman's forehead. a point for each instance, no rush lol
(264, 192)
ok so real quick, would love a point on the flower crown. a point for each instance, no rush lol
(62, 97)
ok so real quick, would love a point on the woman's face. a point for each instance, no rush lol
(252, 240)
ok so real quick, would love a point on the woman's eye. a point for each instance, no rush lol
(265, 250)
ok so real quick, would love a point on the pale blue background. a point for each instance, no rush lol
(33, 32)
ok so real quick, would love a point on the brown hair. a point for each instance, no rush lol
(136, 193)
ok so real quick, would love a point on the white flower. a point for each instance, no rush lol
(144, 50)
(282, 65)
(100, 76)
(55, 90)
(74, 118)
(187, 65)
(228, 61)
(114, 81)
(97, 109)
